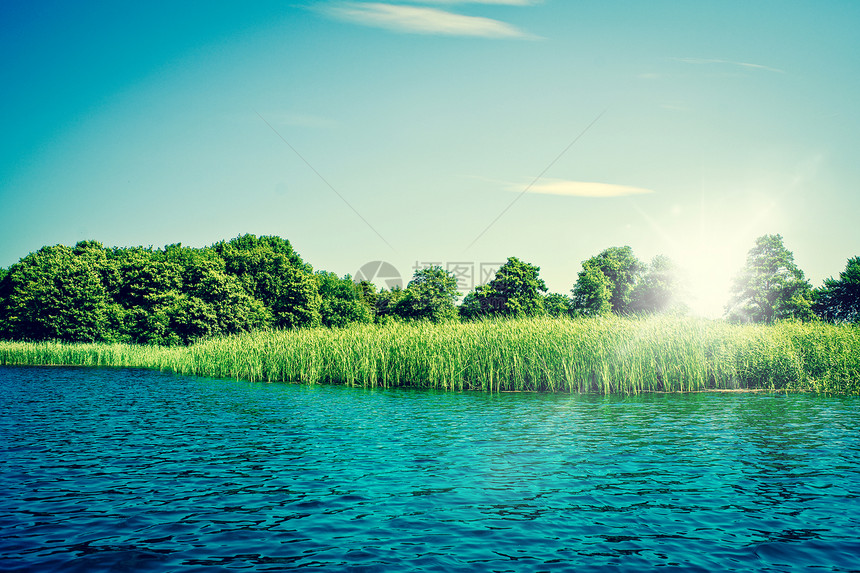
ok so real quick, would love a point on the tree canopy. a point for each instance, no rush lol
(770, 286)
(176, 295)
(606, 282)
(592, 292)
(342, 301)
(273, 273)
(430, 295)
(173, 295)
(658, 288)
(59, 293)
(516, 290)
(839, 299)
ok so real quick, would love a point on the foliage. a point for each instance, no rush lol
(838, 300)
(367, 292)
(342, 302)
(385, 305)
(770, 286)
(516, 291)
(430, 295)
(620, 269)
(140, 295)
(658, 288)
(273, 273)
(58, 293)
(556, 304)
(181, 294)
(477, 303)
(5, 288)
(592, 293)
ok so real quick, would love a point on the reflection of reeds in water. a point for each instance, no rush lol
(604, 355)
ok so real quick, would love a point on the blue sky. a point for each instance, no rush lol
(437, 131)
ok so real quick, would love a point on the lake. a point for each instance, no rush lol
(132, 470)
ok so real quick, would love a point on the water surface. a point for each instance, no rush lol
(129, 470)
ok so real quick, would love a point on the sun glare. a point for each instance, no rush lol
(708, 270)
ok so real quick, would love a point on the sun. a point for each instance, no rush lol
(707, 270)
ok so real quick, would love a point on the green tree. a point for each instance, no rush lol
(621, 271)
(212, 302)
(273, 273)
(838, 300)
(179, 294)
(475, 303)
(367, 292)
(58, 293)
(592, 293)
(770, 286)
(516, 290)
(341, 301)
(216, 305)
(430, 295)
(386, 303)
(556, 304)
(149, 291)
(5, 288)
(658, 289)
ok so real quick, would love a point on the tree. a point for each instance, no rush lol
(592, 292)
(770, 286)
(556, 304)
(367, 293)
(148, 290)
(341, 301)
(621, 271)
(170, 296)
(475, 303)
(385, 304)
(430, 295)
(273, 273)
(5, 288)
(516, 290)
(58, 293)
(838, 300)
(216, 305)
(658, 288)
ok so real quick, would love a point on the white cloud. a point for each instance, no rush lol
(728, 62)
(422, 20)
(585, 189)
(498, 2)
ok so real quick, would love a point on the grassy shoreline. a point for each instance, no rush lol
(602, 355)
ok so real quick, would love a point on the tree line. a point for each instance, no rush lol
(176, 295)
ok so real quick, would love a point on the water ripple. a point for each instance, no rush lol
(138, 471)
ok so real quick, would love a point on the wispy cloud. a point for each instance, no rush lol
(497, 2)
(747, 65)
(585, 189)
(423, 20)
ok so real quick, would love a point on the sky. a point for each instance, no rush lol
(457, 133)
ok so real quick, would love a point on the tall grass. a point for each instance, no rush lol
(603, 355)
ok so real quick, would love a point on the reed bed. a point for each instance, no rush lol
(600, 355)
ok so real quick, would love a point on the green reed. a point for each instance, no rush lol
(603, 355)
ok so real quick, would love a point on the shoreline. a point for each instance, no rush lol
(615, 355)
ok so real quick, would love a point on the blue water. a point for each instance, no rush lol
(128, 470)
